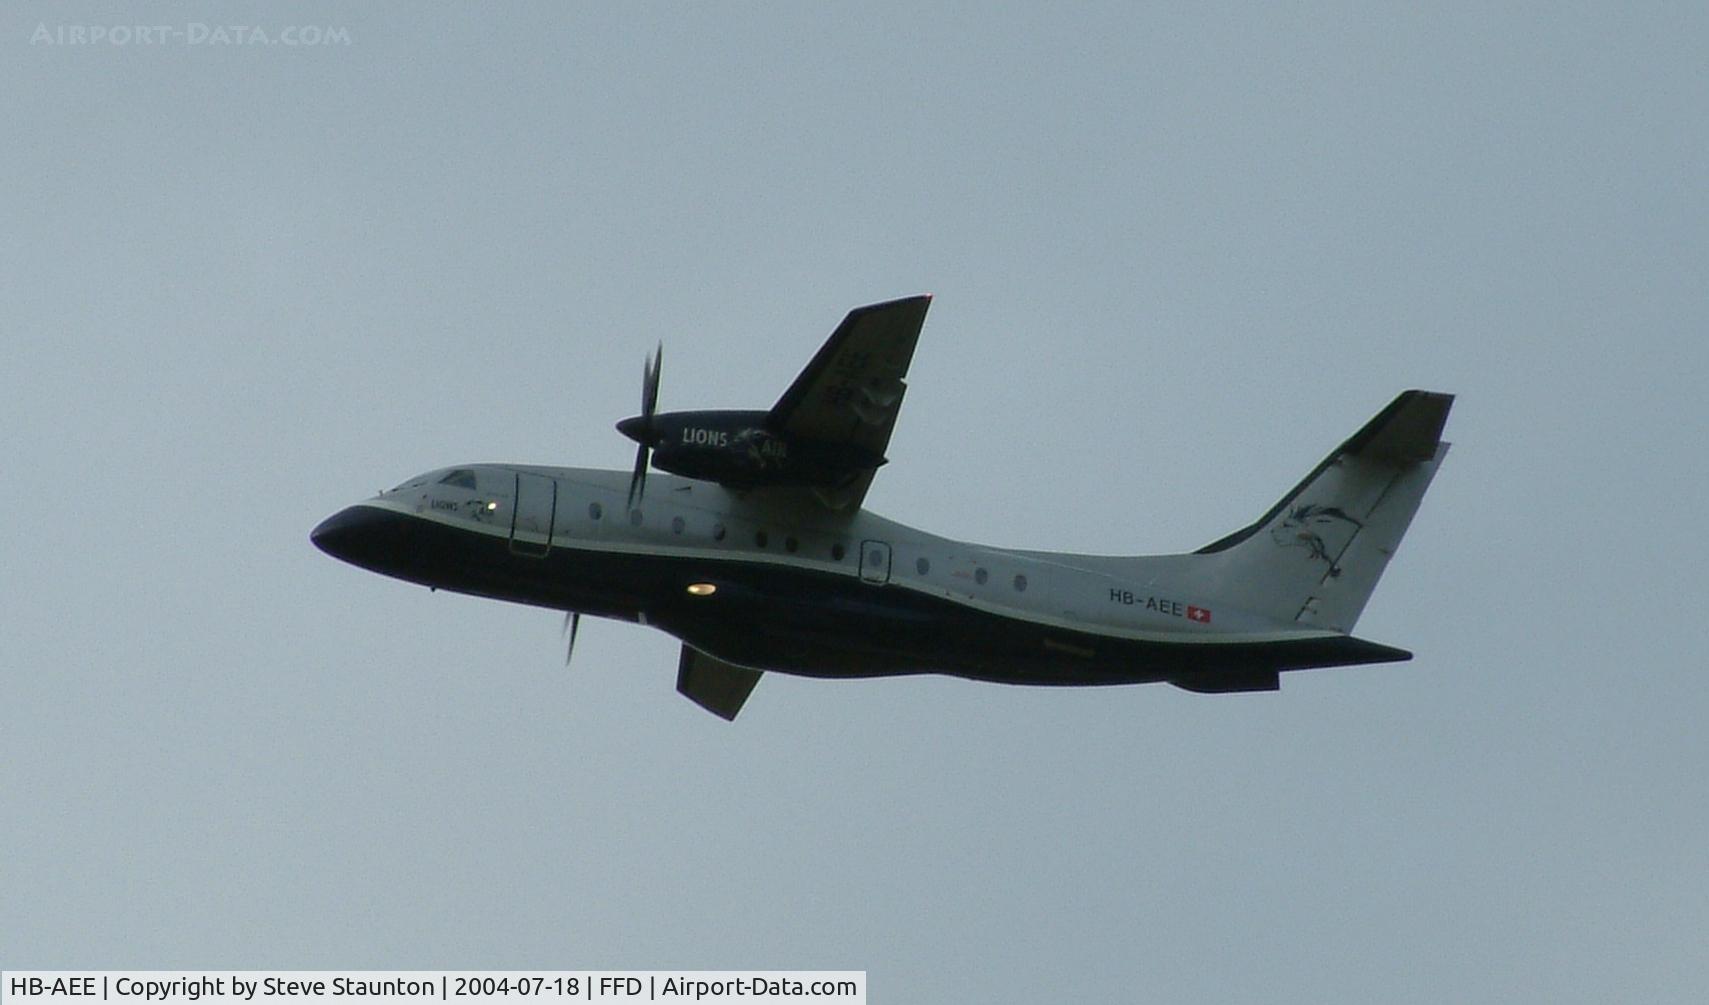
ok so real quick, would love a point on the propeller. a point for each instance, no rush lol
(572, 622)
(640, 427)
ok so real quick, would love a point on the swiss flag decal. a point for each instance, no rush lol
(1199, 614)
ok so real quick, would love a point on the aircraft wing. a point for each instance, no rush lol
(719, 687)
(851, 392)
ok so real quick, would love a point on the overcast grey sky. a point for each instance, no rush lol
(1177, 257)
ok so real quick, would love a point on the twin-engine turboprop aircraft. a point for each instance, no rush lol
(753, 550)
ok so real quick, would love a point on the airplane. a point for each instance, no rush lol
(753, 550)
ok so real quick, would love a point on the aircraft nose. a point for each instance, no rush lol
(357, 534)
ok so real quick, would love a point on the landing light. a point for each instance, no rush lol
(702, 589)
(491, 506)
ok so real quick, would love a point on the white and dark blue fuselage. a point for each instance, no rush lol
(759, 582)
(758, 556)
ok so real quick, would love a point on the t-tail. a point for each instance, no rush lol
(1316, 556)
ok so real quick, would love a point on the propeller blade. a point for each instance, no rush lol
(572, 623)
(642, 430)
(638, 480)
(650, 382)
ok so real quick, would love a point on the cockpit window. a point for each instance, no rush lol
(461, 478)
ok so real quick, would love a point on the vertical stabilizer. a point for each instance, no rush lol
(1316, 556)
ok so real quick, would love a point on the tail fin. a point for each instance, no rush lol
(1315, 557)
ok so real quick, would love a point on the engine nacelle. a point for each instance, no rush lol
(738, 449)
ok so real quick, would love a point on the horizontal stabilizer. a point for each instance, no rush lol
(719, 687)
(1406, 432)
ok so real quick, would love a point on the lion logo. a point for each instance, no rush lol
(1305, 525)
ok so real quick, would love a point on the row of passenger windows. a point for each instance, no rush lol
(790, 544)
(464, 478)
(923, 565)
(762, 539)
